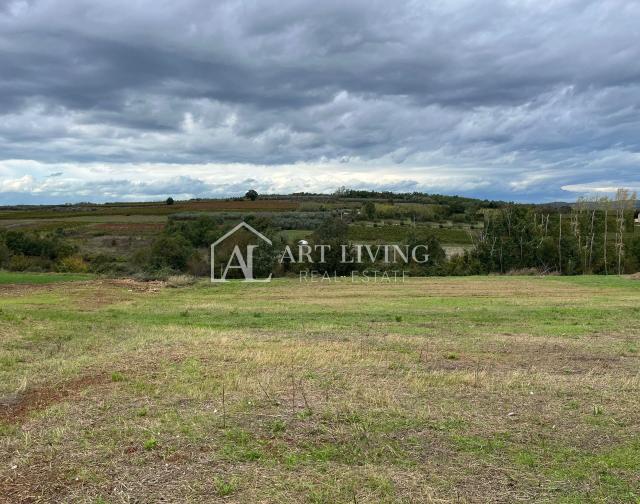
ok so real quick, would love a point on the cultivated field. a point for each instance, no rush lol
(494, 389)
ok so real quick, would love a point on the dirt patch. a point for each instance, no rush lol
(15, 407)
(128, 283)
(131, 227)
(135, 285)
(23, 289)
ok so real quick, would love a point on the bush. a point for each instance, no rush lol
(331, 230)
(633, 252)
(5, 253)
(369, 210)
(104, 263)
(19, 263)
(170, 252)
(72, 264)
(197, 266)
(31, 244)
(200, 232)
(27, 263)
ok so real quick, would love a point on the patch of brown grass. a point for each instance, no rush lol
(16, 407)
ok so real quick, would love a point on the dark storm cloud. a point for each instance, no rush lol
(514, 99)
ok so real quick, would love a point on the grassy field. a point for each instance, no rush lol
(494, 389)
(91, 212)
(399, 233)
(40, 278)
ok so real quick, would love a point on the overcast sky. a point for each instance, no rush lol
(142, 99)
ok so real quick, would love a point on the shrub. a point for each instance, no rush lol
(197, 266)
(634, 251)
(105, 263)
(369, 210)
(332, 230)
(19, 262)
(5, 253)
(31, 244)
(72, 264)
(172, 252)
(200, 232)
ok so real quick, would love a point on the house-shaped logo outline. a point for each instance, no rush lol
(224, 237)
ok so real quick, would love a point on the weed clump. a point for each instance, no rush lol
(150, 444)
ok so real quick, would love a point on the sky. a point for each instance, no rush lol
(110, 100)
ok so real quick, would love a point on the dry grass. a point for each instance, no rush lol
(436, 390)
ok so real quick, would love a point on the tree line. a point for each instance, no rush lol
(593, 236)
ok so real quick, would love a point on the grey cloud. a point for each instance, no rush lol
(493, 91)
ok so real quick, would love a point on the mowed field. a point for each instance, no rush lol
(494, 389)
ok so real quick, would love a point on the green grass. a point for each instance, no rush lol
(296, 234)
(476, 389)
(399, 233)
(22, 278)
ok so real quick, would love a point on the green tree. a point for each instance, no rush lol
(251, 194)
(369, 210)
(331, 230)
(5, 253)
(171, 251)
(634, 252)
(334, 234)
(437, 256)
(49, 246)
